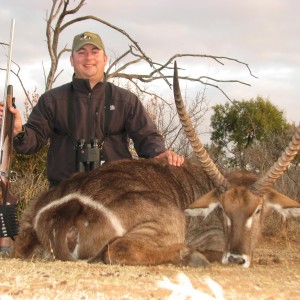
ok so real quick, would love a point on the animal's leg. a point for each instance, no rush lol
(25, 244)
(158, 241)
(206, 236)
(140, 252)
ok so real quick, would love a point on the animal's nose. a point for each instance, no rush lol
(236, 259)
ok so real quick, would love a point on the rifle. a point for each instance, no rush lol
(8, 202)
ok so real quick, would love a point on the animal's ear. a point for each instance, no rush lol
(204, 205)
(282, 204)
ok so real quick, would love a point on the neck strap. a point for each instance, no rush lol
(71, 99)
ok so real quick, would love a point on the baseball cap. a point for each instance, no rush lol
(87, 38)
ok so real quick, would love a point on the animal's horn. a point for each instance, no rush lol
(279, 166)
(206, 162)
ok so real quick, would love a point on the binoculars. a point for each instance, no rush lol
(88, 155)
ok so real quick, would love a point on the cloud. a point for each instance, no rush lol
(263, 34)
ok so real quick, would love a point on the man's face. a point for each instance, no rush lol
(89, 63)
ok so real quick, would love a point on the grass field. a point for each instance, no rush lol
(274, 274)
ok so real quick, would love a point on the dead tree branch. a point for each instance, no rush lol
(119, 68)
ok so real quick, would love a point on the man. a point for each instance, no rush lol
(76, 111)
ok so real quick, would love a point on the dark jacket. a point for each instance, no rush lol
(49, 120)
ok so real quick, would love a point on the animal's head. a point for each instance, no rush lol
(243, 213)
(243, 199)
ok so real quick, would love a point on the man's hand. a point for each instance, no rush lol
(18, 119)
(173, 158)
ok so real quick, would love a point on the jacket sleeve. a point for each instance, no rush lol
(37, 129)
(148, 142)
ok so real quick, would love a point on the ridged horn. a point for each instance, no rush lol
(206, 162)
(279, 166)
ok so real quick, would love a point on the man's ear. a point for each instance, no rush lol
(71, 60)
(105, 58)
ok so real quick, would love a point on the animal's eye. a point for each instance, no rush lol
(258, 211)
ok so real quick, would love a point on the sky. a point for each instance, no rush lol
(261, 33)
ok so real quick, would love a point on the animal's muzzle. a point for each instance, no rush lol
(235, 259)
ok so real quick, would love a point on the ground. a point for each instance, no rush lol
(274, 274)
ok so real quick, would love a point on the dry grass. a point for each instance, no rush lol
(275, 274)
(28, 187)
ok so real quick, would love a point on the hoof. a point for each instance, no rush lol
(198, 260)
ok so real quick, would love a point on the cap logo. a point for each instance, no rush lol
(87, 36)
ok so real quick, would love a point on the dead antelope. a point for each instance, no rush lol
(125, 212)
(132, 211)
(244, 199)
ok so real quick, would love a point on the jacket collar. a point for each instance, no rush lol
(84, 85)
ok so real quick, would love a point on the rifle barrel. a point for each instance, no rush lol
(7, 79)
(9, 59)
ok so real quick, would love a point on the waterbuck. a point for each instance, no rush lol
(133, 211)
(125, 212)
(243, 198)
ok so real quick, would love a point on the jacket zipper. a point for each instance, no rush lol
(89, 117)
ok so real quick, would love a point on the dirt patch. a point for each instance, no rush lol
(274, 274)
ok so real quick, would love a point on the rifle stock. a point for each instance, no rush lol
(6, 151)
(8, 202)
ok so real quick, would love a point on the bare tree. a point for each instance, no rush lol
(160, 71)
(56, 23)
(17, 74)
(166, 118)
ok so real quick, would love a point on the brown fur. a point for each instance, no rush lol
(146, 197)
(146, 224)
(243, 214)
